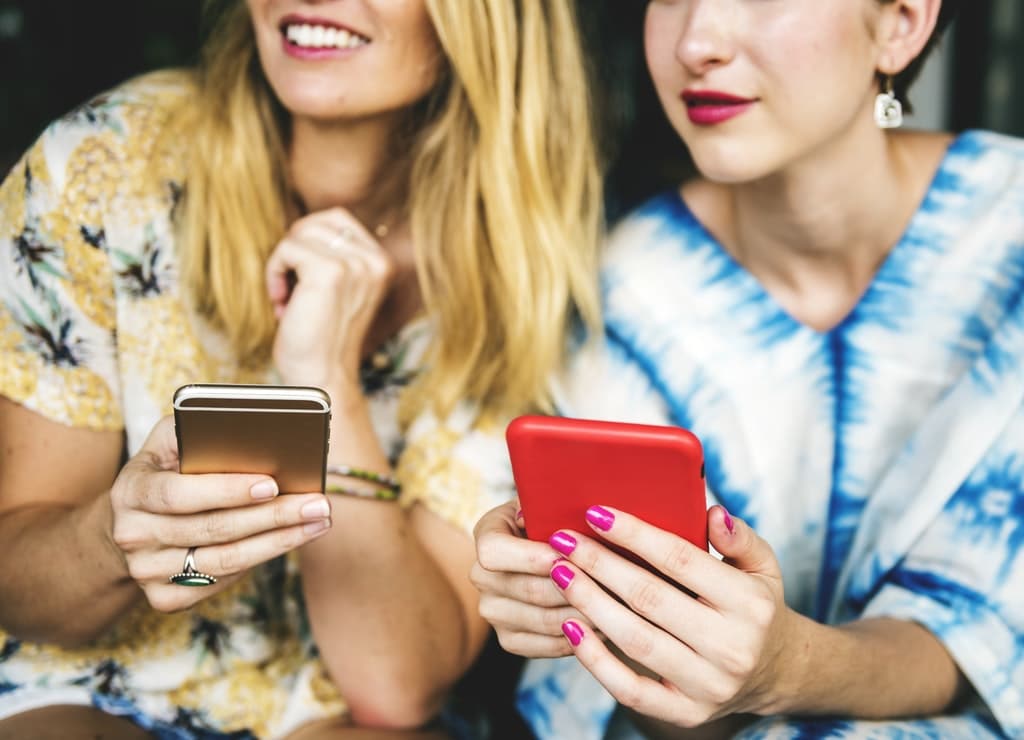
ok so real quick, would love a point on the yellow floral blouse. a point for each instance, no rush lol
(94, 333)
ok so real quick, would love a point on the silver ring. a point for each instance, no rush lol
(344, 238)
(189, 576)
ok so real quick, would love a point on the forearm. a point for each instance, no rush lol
(869, 669)
(57, 564)
(388, 624)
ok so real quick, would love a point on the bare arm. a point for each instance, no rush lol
(55, 529)
(871, 669)
(388, 596)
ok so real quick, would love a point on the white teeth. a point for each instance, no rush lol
(323, 37)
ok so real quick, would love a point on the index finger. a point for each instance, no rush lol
(500, 547)
(168, 492)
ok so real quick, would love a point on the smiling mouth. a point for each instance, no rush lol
(318, 36)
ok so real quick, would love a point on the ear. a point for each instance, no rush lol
(904, 27)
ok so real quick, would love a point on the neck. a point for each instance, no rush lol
(357, 166)
(816, 233)
(352, 165)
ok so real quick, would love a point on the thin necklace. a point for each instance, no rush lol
(381, 230)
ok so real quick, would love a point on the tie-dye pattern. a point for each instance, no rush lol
(883, 459)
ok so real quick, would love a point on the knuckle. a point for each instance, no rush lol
(287, 539)
(229, 560)
(738, 662)
(762, 610)
(530, 588)
(137, 569)
(281, 516)
(477, 576)
(508, 640)
(586, 556)
(164, 600)
(638, 646)
(630, 695)
(488, 609)
(163, 494)
(551, 621)
(218, 528)
(645, 597)
(721, 691)
(487, 554)
(678, 557)
(125, 536)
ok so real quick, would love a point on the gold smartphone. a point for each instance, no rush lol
(281, 431)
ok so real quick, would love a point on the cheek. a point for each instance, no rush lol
(659, 51)
(417, 58)
(816, 69)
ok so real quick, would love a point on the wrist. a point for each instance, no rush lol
(789, 690)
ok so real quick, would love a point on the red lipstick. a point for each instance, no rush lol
(710, 107)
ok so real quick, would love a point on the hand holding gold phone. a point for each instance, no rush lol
(280, 431)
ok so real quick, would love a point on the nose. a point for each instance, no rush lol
(706, 37)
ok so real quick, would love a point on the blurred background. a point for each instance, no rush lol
(56, 54)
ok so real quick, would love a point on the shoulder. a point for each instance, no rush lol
(662, 222)
(155, 95)
(984, 164)
(95, 141)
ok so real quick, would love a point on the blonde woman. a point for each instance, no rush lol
(395, 201)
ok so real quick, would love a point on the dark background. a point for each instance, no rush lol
(56, 54)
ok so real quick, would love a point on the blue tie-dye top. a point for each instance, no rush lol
(883, 460)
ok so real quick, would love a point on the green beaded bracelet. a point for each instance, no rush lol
(369, 476)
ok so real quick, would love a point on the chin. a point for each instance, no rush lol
(729, 169)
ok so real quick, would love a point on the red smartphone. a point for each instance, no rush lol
(564, 466)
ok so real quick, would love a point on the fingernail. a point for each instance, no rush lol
(316, 527)
(573, 631)
(264, 489)
(318, 509)
(600, 517)
(562, 576)
(728, 520)
(519, 514)
(564, 543)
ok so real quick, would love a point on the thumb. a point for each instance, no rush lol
(740, 545)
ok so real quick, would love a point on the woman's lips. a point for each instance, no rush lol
(710, 107)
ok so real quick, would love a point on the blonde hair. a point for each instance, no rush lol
(505, 199)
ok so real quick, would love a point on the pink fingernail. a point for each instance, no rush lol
(562, 576)
(264, 489)
(316, 509)
(562, 542)
(600, 517)
(316, 527)
(728, 520)
(519, 514)
(572, 631)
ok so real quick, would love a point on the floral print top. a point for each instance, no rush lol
(94, 333)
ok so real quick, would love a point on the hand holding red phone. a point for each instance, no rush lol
(726, 651)
(516, 593)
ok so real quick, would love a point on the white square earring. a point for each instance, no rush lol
(888, 109)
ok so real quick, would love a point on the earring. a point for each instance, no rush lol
(888, 109)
